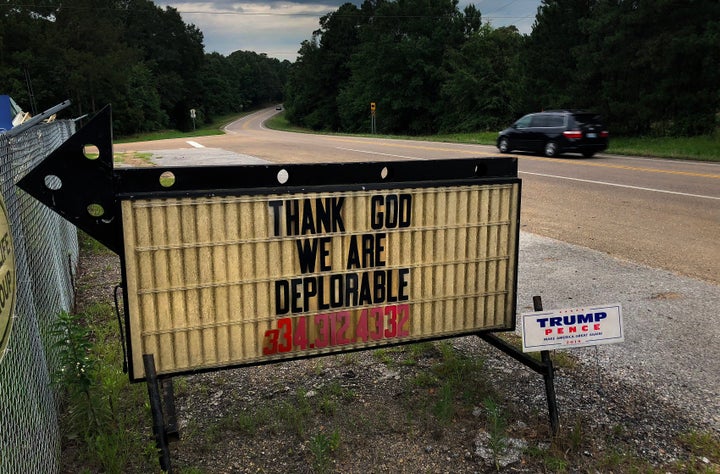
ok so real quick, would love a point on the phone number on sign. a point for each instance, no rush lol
(337, 329)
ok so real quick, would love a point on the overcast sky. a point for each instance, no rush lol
(277, 28)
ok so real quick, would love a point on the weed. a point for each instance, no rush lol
(110, 451)
(323, 447)
(318, 367)
(561, 359)
(99, 405)
(444, 408)
(705, 449)
(349, 358)
(702, 444)
(90, 245)
(556, 464)
(462, 373)
(76, 376)
(383, 355)
(247, 423)
(414, 352)
(425, 380)
(242, 422)
(454, 378)
(618, 460)
(327, 404)
(564, 360)
(497, 426)
(338, 391)
(191, 470)
(294, 415)
(422, 349)
(576, 437)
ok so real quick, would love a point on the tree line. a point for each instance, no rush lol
(142, 59)
(648, 66)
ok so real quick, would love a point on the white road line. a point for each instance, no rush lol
(621, 185)
(194, 144)
(381, 154)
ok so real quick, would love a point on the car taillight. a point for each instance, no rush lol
(604, 134)
(573, 134)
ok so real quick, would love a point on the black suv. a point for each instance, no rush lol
(554, 132)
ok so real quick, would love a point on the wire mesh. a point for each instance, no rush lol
(46, 253)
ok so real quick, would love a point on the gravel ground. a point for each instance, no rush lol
(633, 399)
(672, 343)
(623, 407)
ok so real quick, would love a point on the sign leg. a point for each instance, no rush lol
(161, 441)
(549, 376)
(168, 392)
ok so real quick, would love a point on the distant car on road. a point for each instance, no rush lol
(554, 132)
(278, 107)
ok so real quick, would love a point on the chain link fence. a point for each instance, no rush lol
(46, 253)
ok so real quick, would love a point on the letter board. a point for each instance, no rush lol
(231, 280)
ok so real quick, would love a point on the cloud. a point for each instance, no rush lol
(274, 28)
(277, 28)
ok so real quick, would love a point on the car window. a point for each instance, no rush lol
(587, 119)
(547, 120)
(539, 120)
(555, 121)
(523, 122)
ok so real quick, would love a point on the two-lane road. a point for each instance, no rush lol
(662, 213)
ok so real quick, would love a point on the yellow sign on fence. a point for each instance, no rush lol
(8, 284)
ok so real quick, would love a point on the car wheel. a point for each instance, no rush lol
(588, 154)
(504, 145)
(551, 149)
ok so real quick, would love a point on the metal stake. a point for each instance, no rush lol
(161, 440)
(549, 376)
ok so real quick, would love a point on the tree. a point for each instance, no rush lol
(322, 68)
(482, 90)
(399, 65)
(138, 109)
(657, 64)
(550, 67)
(174, 53)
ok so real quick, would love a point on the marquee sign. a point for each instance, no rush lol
(226, 280)
(236, 265)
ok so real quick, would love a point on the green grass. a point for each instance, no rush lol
(323, 447)
(102, 411)
(89, 245)
(702, 148)
(213, 128)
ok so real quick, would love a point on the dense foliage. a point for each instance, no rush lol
(649, 66)
(142, 59)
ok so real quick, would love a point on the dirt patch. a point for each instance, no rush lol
(133, 159)
(668, 295)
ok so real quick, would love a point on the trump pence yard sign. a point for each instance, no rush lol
(572, 327)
